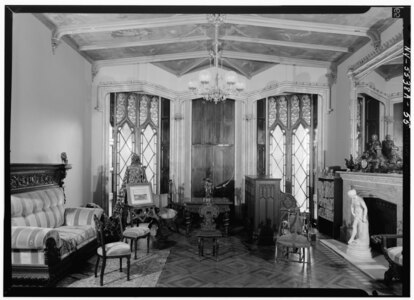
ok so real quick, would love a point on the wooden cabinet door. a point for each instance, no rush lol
(212, 153)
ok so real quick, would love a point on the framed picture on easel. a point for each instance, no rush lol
(140, 194)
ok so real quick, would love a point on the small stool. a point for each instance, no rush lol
(214, 235)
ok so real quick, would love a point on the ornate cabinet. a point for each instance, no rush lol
(263, 200)
(330, 205)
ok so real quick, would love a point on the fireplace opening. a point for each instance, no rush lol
(382, 218)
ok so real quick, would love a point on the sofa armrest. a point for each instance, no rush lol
(75, 216)
(34, 238)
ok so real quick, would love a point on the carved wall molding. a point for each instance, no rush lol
(388, 51)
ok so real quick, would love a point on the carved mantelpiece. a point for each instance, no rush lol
(387, 187)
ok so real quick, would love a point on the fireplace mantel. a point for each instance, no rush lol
(385, 186)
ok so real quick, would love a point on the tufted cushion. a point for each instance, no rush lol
(42, 208)
(167, 213)
(115, 249)
(135, 232)
(293, 240)
(395, 254)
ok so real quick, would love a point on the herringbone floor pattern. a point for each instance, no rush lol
(244, 265)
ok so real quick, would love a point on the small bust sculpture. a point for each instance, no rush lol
(373, 145)
(387, 146)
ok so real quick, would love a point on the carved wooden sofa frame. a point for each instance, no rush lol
(40, 177)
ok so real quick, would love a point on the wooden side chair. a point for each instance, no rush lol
(134, 233)
(293, 237)
(209, 212)
(110, 251)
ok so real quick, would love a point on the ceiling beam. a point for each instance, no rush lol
(296, 25)
(276, 59)
(112, 45)
(284, 43)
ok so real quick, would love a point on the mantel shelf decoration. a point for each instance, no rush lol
(378, 158)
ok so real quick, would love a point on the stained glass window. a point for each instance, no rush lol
(306, 108)
(295, 109)
(290, 121)
(282, 103)
(272, 111)
(137, 117)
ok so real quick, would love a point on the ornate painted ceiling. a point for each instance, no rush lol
(249, 43)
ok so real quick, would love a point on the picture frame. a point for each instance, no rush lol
(140, 194)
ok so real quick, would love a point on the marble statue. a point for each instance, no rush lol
(359, 211)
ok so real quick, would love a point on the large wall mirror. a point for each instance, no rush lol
(376, 103)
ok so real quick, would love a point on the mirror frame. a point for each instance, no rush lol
(387, 52)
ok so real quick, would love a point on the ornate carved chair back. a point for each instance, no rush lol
(100, 226)
(209, 212)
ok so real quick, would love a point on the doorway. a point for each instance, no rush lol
(212, 148)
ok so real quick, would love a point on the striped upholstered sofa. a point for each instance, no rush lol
(47, 238)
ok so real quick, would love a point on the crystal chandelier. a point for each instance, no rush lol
(220, 89)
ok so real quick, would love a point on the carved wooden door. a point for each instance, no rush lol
(212, 152)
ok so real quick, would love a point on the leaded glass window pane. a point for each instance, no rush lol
(277, 155)
(149, 151)
(125, 146)
(300, 161)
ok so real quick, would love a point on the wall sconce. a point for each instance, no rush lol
(248, 117)
(178, 117)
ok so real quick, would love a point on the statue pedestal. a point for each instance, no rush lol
(359, 251)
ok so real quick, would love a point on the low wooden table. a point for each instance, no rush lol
(194, 205)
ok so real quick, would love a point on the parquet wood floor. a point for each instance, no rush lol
(243, 264)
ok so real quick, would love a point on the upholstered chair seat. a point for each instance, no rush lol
(115, 249)
(395, 254)
(293, 240)
(135, 232)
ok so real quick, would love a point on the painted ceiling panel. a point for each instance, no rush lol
(144, 34)
(390, 71)
(181, 67)
(128, 52)
(289, 52)
(365, 19)
(65, 19)
(297, 36)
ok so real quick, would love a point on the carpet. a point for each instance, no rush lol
(144, 271)
(374, 267)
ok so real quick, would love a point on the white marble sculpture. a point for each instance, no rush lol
(358, 243)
